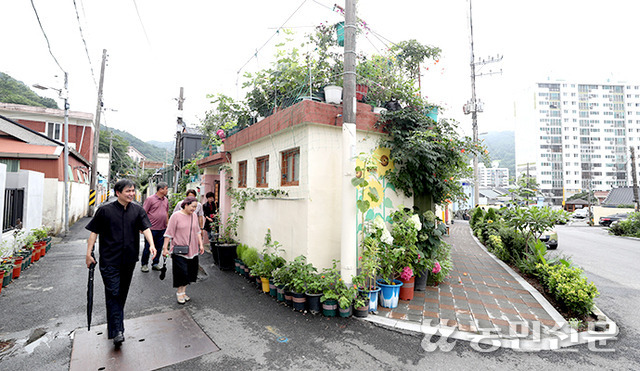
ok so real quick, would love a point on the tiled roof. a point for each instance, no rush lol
(619, 196)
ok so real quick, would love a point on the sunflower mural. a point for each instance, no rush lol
(372, 187)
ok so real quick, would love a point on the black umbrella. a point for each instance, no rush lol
(92, 268)
(163, 270)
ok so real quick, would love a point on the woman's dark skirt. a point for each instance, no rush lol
(185, 270)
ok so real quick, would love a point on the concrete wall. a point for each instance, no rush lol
(53, 206)
(33, 184)
(599, 211)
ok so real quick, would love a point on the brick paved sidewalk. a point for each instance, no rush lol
(480, 297)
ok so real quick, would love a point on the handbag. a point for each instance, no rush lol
(184, 249)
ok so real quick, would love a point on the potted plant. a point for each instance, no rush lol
(346, 297)
(397, 259)
(300, 277)
(331, 289)
(226, 244)
(281, 278)
(429, 241)
(273, 259)
(316, 284)
(7, 267)
(240, 249)
(360, 304)
(262, 269)
(250, 258)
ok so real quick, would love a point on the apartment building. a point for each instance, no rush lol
(493, 176)
(585, 134)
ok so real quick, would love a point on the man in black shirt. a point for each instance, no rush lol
(118, 224)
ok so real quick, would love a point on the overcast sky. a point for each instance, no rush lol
(200, 45)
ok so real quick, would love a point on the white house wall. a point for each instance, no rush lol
(53, 205)
(308, 220)
(287, 219)
(78, 201)
(34, 197)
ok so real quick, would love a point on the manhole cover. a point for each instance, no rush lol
(151, 342)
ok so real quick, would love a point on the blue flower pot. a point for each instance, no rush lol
(389, 294)
(373, 298)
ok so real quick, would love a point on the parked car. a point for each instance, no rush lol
(606, 221)
(580, 214)
(550, 238)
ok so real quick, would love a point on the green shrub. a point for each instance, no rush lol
(569, 286)
(513, 242)
(491, 215)
(250, 257)
(496, 246)
(629, 227)
(476, 216)
(240, 249)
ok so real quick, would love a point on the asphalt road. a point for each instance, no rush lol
(611, 262)
(49, 300)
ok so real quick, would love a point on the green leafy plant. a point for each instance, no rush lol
(570, 287)
(240, 249)
(532, 222)
(476, 216)
(403, 252)
(250, 257)
(360, 300)
(41, 233)
(332, 283)
(300, 272)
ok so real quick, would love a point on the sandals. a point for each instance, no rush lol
(181, 298)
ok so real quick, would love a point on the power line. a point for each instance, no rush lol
(266, 42)
(86, 50)
(141, 24)
(45, 37)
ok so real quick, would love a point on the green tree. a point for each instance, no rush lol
(14, 91)
(526, 189)
(429, 156)
(122, 166)
(584, 195)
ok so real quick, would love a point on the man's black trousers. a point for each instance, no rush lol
(117, 279)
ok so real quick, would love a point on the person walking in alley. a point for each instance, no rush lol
(157, 208)
(210, 209)
(184, 230)
(199, 212)
(118, 224)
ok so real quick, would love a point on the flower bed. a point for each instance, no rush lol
(512, 235)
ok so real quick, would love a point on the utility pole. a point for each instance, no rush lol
(349, 252)
(66, 153)
(177, 160)
(474, 106)
(634, 178)
(96, 134)
(110, 159)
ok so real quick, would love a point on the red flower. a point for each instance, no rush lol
(462, 150)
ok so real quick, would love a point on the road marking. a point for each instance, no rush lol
(279, 338)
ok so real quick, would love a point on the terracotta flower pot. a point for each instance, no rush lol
(406, 291)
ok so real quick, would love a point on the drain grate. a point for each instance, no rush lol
(151, 342)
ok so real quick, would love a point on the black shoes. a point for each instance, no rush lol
(118, 339)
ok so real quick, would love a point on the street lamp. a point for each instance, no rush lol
(64, 94)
